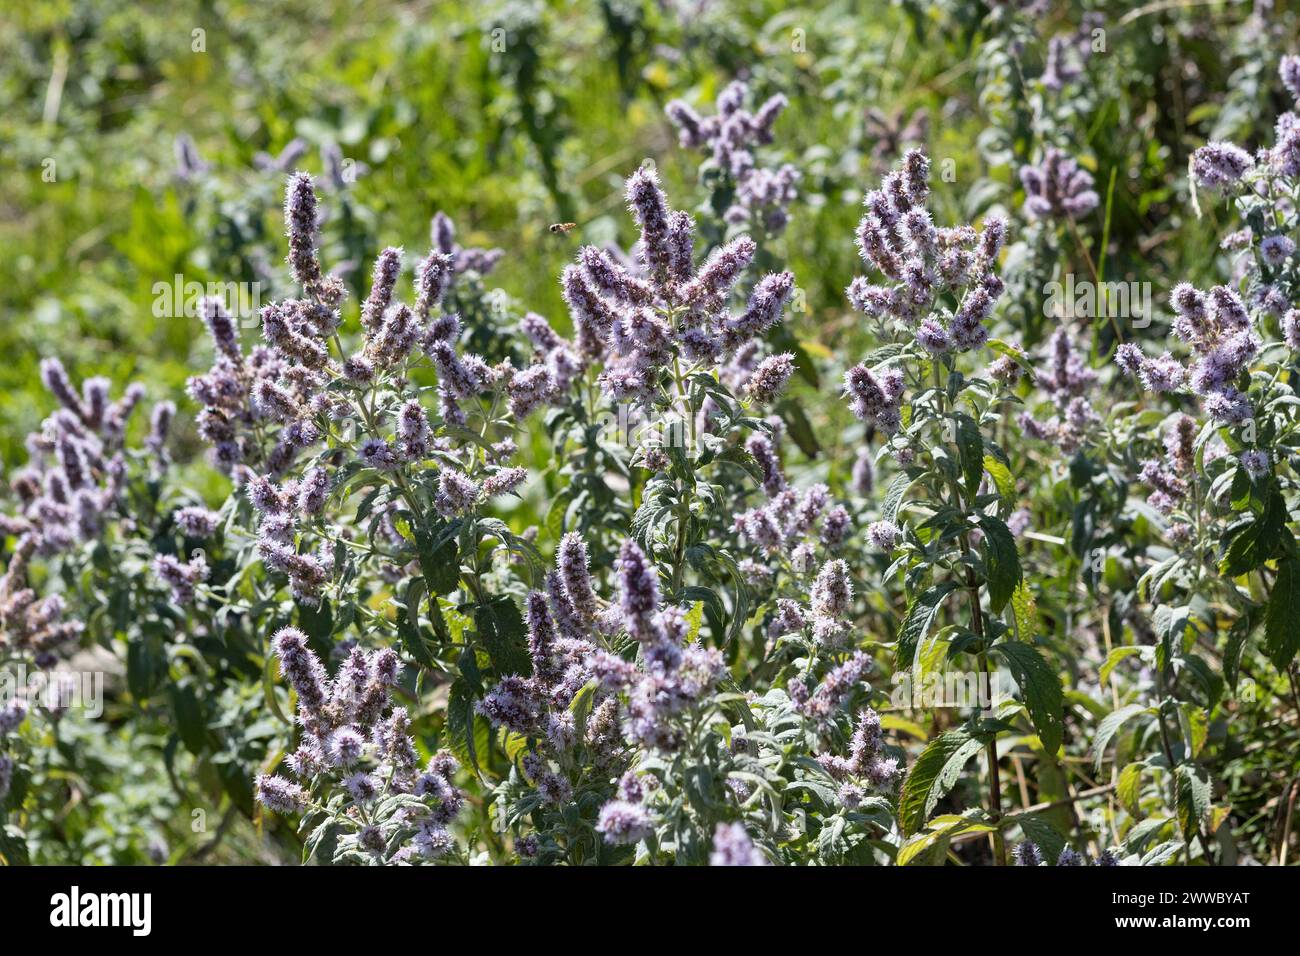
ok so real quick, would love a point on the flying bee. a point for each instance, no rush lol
(562, 228)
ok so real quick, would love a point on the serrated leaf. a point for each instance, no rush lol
(1024, 612)
(1260, 540)
(1129, 787)
(582, 703)
(937, 769)
(188, 713)
(1002, 561)
(893, 500)
(1282, 617)
(1193, 793)
(970, 452)
(1002, 481)
(469, 733)
(502, 631)
(1041, 686)
(920, 616)
(1195, 726)
(439, 558)
(1042, 833)
(408, 624)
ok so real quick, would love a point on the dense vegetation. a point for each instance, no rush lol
(631, 432)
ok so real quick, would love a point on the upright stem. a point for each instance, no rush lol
(990, 751)
(977, 625)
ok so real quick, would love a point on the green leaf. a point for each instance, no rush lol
(1195, 725)
(1260, 540)
(268, 689)
(322, 843)
(502, 632)
(1193, 793)
(1282, 617)
(1129, 788)
(893, 500)
(439, 558)
(799, 428)
(930, 847)
(970, 451)
(408, 625)
(189, 717)
(1002, 480)
(1109, 726)
(1116, 655)
(1042, 833)
(582, 703)
(937, 769)
(1042, 689)
(1002, 561)
(694, 620)
(145, 664)
(1237, 638)
(469, 732)
(1024, 611)
(13, 847)
(920, 616)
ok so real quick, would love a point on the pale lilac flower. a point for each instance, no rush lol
(832, 592)
(650, 208)
(624, 822)
(313, 491)
(770, 378)
(1218, 165)
(1291, 329)
(883, 535)
(1256, 462)
(413, 432)
(377, 453)
(1289, 70)
(300, 666)
(281, 795)
(388, 266)
(180, 577)
(733, 847)
(571, 562)
(195, 522)
(503, 482)
(864, 475)
(1027, 854)
(1057, 187)
(1275, 250)
(300, 217)
(362, 786)
(875, 399)
(1070, 857)
(638, 589)
(432, 278)
(457, 493)
(835, 530)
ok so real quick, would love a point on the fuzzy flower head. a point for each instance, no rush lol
(875, 398)
(923, 264)
(1219, 166)
(883, 535)
(733, 847)
(1057, 188)
(770, 378)
(1256, 462)
(624, 822)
